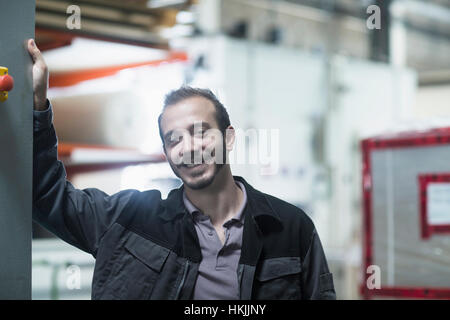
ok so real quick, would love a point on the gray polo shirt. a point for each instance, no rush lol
(217, 273)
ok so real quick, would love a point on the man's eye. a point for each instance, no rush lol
(199, 133)
(173, 140)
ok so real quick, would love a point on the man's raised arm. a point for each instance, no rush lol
(79, 217)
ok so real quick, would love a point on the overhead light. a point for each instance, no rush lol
(153, 4)
(176, 31)
(185, 17)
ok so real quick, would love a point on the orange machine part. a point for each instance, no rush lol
(65, 79)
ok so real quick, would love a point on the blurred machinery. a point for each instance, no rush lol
(321, 107)
(413, 33)
(301, 86)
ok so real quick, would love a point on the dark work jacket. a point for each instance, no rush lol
(147, 248)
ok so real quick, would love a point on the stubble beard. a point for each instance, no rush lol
(207, 181)
(200, 183)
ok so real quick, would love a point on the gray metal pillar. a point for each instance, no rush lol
(16, 147)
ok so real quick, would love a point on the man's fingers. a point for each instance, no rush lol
(33, 50)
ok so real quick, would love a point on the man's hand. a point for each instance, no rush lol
(40, 77)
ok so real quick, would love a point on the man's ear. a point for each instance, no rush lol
(230, 136)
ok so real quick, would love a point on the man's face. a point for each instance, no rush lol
(193, 143)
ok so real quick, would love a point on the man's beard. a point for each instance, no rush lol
(205, 182)
(201, 183)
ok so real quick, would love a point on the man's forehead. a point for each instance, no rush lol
(187, 112)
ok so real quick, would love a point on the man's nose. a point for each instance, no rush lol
(191, 145)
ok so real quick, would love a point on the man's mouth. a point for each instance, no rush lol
(194, 165)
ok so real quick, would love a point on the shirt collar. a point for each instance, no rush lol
(239, 214)
(258, 205)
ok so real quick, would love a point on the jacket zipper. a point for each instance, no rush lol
(186, 268)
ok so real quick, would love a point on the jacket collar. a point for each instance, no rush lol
(260, 207)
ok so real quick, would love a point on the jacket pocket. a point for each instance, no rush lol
(278, 267)
(136, 270)
(278, 278)
(149, 253)
(326, 286)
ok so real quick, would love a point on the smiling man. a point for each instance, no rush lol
(216, 237)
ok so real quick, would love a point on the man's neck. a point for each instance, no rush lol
(220, 200)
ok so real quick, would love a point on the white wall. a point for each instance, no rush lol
(432, 101)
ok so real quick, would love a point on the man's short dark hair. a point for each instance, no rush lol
(185, 92)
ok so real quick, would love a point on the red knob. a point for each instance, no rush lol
(6, 82)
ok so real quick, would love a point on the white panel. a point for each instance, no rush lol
(286, 95)
(438, 203)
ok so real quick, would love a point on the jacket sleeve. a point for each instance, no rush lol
(79, 217)
(317, 281)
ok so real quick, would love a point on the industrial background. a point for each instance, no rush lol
(363, 116)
